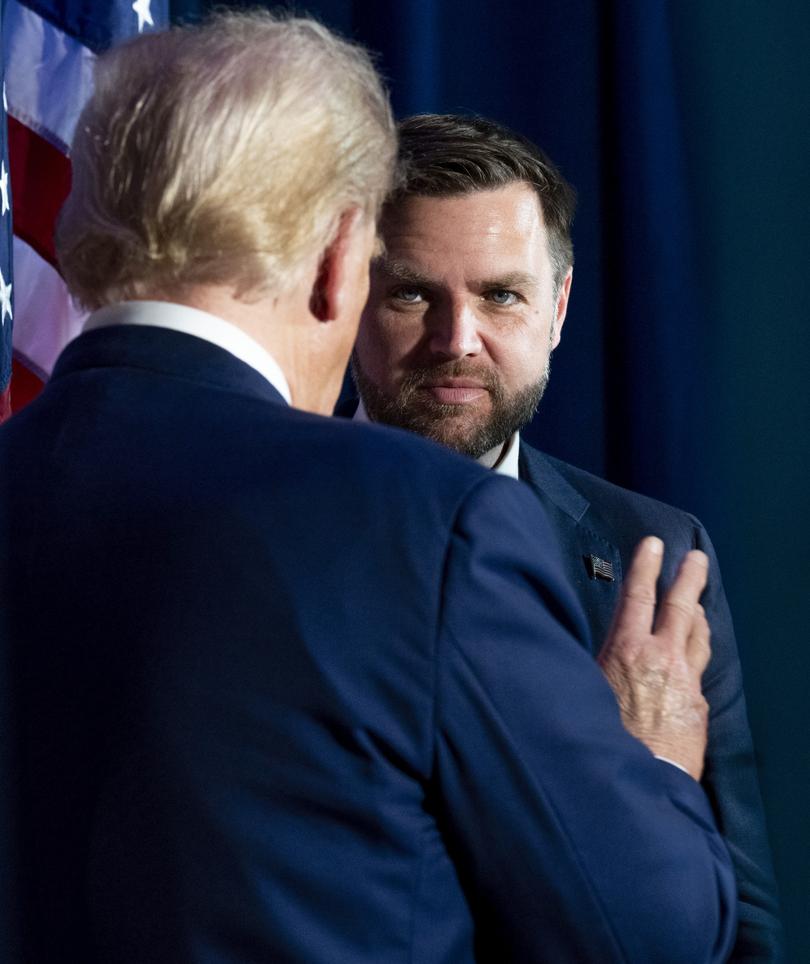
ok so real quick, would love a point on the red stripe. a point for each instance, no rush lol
(40, 182)
(5, 403)
(25, 386)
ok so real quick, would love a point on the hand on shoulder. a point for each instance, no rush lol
(654, 663)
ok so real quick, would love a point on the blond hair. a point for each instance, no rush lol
(222, 153)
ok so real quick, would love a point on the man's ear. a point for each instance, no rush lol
(561, 306)
(338, 268)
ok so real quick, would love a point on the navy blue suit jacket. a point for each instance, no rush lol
(282, 688)
(592, 517)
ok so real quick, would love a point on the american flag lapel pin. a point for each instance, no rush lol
(599, 568)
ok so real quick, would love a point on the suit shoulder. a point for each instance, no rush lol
(386, 472)
(611, 501)
(381, 449)
(422, 455)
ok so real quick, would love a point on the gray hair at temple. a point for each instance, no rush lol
(442, 155)
(221, 153)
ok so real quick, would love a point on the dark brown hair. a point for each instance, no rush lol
(445, 154)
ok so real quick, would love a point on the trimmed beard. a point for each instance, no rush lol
(414, 409)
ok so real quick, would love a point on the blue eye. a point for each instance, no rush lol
(502, 297)
(410, 296)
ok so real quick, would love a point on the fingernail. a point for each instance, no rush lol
(656, 546)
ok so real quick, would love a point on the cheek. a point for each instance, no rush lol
(520, 361)
(384, 342)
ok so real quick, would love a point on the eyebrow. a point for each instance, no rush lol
(512, 279)
(402, 271)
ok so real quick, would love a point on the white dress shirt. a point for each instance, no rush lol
(201, 324)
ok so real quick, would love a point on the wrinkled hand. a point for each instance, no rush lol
(655, 671)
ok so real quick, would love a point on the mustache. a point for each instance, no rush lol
(418, 377)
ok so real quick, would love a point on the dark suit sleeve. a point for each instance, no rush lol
(730, 780)
(572, 842)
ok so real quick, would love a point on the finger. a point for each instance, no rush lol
(636, 609)
(676, 611)
(698, 648)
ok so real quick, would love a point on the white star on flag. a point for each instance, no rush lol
(5, 101)
(141, 7)
(5, 300)
(3, 188)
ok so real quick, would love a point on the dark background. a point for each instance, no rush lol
(685, 126)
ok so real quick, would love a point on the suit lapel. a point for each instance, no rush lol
(588, 554)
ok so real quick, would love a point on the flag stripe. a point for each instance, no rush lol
(97, 25)
(25, 384)
(49, 75)
(41, 178)
(45, 319)
(49, 64)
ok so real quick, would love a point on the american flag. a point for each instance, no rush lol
(49, 47)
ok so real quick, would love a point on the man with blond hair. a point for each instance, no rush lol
(281, 689)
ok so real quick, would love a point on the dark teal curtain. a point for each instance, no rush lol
(684, 364)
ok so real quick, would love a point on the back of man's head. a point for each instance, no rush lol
(442, 155)
(221, 154)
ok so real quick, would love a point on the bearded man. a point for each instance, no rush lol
(466, 306)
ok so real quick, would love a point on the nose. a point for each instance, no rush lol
(453, 331)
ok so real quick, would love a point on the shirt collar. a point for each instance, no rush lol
(201, 324)
(507, 463)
